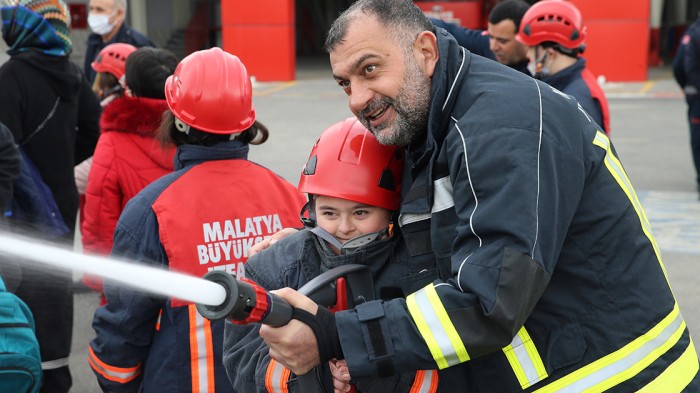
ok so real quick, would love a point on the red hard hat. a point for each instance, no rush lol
(211, 91)
(112, 59)
(556, 21)
(347, 162)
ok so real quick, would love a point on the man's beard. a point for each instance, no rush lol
(412, 105)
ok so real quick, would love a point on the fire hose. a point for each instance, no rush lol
(247, 302)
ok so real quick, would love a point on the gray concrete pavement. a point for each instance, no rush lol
(648, 130)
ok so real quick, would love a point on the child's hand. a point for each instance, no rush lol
(341, 376)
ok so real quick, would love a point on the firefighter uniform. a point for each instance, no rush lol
(204, 216)
(551, 277)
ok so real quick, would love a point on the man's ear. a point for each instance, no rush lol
(426, 50)
(120, 15)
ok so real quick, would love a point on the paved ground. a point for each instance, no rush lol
(648, 130)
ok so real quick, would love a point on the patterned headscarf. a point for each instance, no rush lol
(36, 24)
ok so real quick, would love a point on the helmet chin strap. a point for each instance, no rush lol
(181, 126)
(540, 64)
(351, 245)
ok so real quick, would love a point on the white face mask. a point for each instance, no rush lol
(99, 23)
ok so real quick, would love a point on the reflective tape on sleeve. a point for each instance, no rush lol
(276, 377)
(525, 360)
(426, 381)
(435, 326)
(112, 373)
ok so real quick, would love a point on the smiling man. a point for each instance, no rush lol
(550, 277)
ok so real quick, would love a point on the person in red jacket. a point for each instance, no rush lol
(110, 66)
(127, 157)
(204, 216)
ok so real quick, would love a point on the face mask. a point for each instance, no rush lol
(543, 71)
(99, 23)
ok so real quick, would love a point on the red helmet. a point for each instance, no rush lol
(347, 162)
(211, 91)
(112, 59)
(555, 21)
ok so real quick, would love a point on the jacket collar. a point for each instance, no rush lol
(564, 77)
(450, 69)
(134, 115)
(188, 155)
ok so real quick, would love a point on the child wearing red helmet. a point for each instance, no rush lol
(354, 188)
(110, 67)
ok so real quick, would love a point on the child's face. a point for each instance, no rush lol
(346, 219)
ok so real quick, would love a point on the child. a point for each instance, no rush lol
(110, 66)
(353, 185)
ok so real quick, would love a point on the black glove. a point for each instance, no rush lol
(323, 326)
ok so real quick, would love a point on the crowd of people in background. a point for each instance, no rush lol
(125, 143)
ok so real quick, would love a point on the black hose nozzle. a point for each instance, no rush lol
(246, 302)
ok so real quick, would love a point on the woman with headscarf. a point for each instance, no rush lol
(53, 115)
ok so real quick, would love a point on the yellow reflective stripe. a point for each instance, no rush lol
(618, 172)
(678, 375)
(435, 326)
(525, 360)
(626, 362)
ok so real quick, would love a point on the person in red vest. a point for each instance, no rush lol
(204, 216)
(555, 33)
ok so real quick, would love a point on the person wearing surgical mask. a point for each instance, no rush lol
(555, 34)
(107, 21)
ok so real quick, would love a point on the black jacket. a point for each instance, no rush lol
(31, 85)
(9, 167)
(554, 280)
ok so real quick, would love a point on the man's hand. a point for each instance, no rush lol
(294, 344)
(265, 243)
(341, 376)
